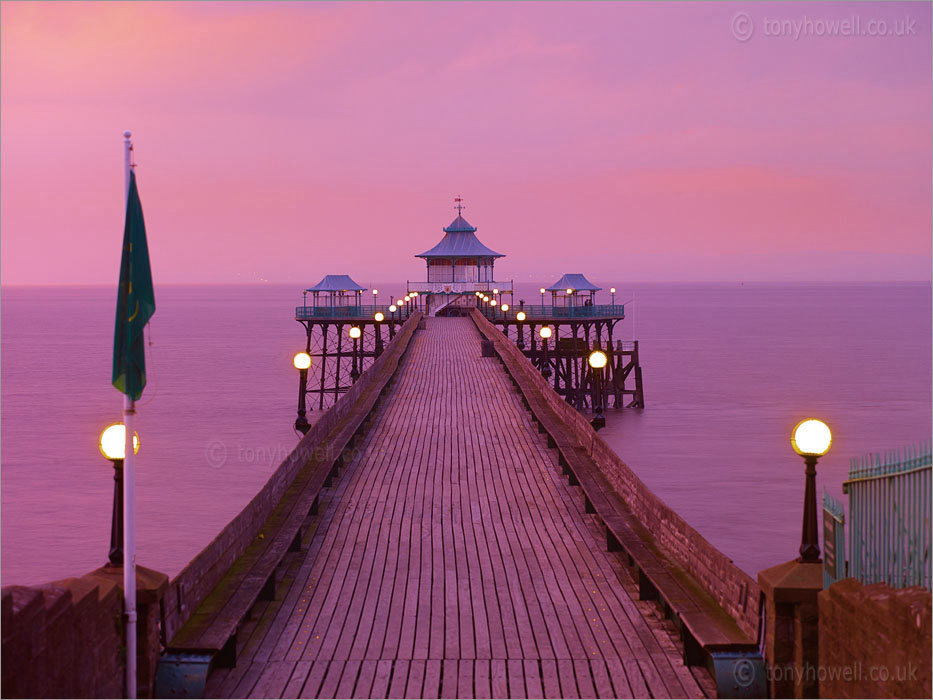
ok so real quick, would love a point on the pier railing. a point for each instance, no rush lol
(537, 311)
(889, 517)
(303, 313)
(196, 581)
(731, 588)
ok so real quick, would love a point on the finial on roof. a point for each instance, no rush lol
(459, 204)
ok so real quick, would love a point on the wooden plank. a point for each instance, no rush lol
(381, 679)
(516, 675)
(498, 677)
(567, 675)
(331, 680)
(316, 676)
(450, 678)
(549, 679)
(351, 671)
(585, 685)
(533, 687)
(481, 680)
(432, 679)
(398, 685)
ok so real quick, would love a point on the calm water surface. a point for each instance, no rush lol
(728, 371)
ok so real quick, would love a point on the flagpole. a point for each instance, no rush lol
(129, 493)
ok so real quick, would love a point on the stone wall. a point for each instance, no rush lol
(731, 587)
(874, 641)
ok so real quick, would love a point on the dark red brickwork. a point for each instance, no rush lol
(63, 640)
(66, 639)
(874, 641)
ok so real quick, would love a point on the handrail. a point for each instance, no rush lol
(362, 311)
(536, 311)
(733, 589)
(195, 582)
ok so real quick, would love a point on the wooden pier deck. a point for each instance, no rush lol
(452, 560)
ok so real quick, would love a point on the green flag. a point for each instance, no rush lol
(135, 301)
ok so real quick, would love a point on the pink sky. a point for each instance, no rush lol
(281, 142)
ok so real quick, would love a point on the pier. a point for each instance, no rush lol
(453, 560)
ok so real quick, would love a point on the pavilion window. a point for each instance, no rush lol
(440, 270)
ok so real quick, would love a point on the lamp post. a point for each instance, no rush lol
(392, 310)
(811, 439)
(520, 317)
(113, 446)
(612, 291)
(492, 303)
(302, 362)
(545, 333)
(598, 362)
(355, 334)
(542, 297)
(375, 297)
(379, 317)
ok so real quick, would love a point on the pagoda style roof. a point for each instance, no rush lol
(460, 241)
(336, 283)
(576, 282)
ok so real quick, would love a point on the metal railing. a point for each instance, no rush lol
(536, 312)
(364, 311)
(834, 540)
(889, 516)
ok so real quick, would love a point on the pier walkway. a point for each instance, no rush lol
(451, 560)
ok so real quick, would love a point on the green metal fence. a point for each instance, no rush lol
(889, 516)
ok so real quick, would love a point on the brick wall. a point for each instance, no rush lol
(66, 639)
(63, 640)
(874, 641)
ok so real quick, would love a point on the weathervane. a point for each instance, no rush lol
(459, 204)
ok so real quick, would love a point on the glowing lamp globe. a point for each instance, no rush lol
(520, 316)
(493, 302)
(542, 290)
(414, 294)
(505, 307)
(612, 290)
(811, 438)
(302, 360)
(545, 332)
(569, 291)
(485, 298)
(113, 442)
(393, 309)
(375, 292)
(495, 291)
(355, 332)
(380, 317)
(399, 301)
